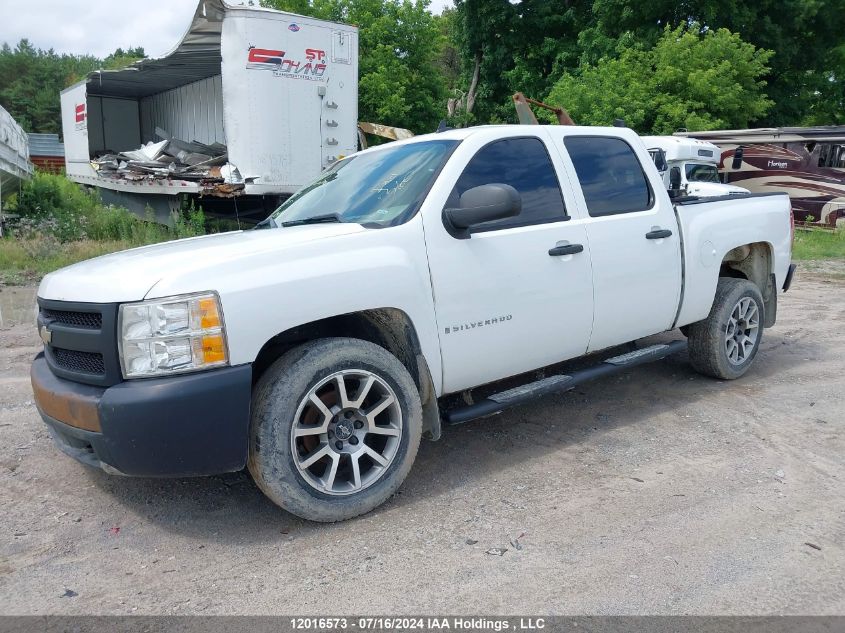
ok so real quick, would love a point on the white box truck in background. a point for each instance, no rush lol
(251, 105)
(697, 163)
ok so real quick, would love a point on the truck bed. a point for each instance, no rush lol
(760, 218)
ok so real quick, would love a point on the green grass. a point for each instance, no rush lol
(56, 223)
(818, 244)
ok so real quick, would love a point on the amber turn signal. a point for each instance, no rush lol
(213, 348)
(208, 313)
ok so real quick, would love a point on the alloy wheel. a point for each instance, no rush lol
(347, 430)
(742, 331)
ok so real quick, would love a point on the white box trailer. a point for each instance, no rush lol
(278, 90)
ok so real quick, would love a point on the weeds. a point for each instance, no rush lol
(26, 261)
(60, 223)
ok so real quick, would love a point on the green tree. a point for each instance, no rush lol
(514, 47)
(689, 78)
(449, 59)
(806, 76)
(122, 58)
(31, 80)
(546, 44)
(484, 34)
(399, 47)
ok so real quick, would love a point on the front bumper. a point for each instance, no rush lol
(179, 426)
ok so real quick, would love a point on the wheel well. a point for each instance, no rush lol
(389, 328)
(754, 263)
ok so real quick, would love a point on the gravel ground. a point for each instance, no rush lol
(654, 492)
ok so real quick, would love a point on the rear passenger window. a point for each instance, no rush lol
(610, 175)
(524, 164)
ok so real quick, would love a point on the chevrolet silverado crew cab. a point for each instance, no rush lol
(316, 349)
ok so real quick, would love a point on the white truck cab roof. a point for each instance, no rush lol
(698, 161)
(680, 148)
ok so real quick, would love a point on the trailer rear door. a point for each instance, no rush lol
(74, 102)
(289, 95)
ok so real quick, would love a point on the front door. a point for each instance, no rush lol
(506, 302)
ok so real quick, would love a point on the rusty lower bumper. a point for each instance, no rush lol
(76, 405)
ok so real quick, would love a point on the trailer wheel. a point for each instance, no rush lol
(335, 428)
(725, 343)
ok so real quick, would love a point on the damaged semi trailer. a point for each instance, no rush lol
(249, 106)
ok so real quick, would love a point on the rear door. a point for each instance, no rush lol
(633, 235)
(506, 301)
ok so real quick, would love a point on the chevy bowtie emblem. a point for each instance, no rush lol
(45, 334)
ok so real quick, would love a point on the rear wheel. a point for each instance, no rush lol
(336, 424)
(725, 343)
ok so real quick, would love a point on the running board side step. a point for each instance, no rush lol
(498, 402)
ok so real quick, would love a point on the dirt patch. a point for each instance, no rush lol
(657, 491)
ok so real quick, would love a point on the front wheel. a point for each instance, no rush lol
(336, 424)
(725, 343)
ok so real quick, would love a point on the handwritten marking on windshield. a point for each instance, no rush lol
(386, 188)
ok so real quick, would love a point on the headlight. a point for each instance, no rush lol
(172, 335)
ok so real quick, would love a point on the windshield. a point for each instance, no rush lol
(382, 188)
(696, 172)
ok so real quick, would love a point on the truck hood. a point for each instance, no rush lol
(131, 275)
(711, 189)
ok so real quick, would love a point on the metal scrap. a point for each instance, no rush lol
(174, 159)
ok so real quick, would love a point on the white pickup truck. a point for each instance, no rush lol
(316, 349)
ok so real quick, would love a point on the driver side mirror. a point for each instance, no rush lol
(485, 203)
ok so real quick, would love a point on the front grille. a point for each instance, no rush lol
(76, 361)
(81, 341)
(91, 320)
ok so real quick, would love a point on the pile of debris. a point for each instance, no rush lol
(175, 159)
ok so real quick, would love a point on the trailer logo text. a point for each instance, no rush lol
(80, 116)
(312, 68)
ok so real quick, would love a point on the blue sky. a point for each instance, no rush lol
(100, 26)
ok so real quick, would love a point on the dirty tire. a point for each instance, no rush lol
(708, 348)
(277, 399)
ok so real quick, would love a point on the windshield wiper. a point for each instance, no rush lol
(316, 219)
(266, 223)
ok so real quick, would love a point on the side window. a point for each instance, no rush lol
(524, 164)
(610, 175)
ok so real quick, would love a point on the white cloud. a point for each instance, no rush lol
(99, 27)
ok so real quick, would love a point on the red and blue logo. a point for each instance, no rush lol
(312, 68)
(293, 27)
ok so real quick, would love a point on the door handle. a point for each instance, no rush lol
(568, 249)
(658, 234)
